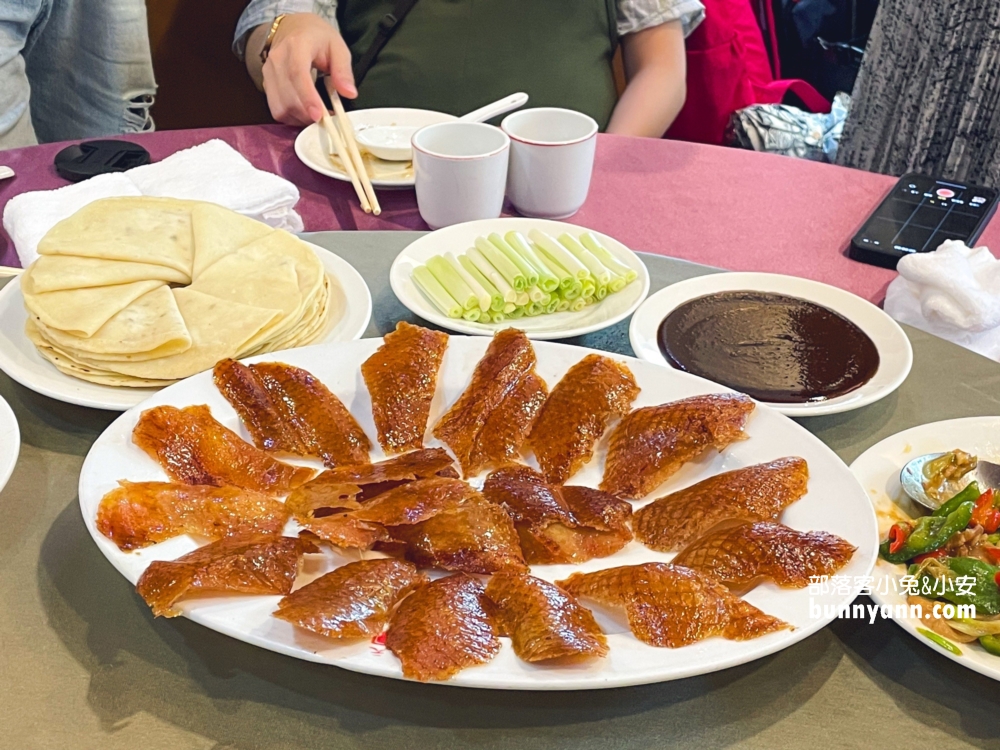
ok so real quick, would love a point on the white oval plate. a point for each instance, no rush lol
(22, 362)
(834, 503)
(894, 350)
(310, 144)
(10, 442)
(878, 471)
(460, 237)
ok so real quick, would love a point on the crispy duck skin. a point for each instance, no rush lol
(286, 409)
(401, 377)
(352, 601)
(755, 493)
(498, 377)
(256, 409)
(741, 555)
(559, 524)
(574, 417)
(138, 514)
(320, 419)
(543, 621)
(418, 464)
(348, 487)
(252, 564)
(499, 442)
(442, 628)
(405, 505)
(652, 443)
(193, 448)
(669, 605)
(474, 537)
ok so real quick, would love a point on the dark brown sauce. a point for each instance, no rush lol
(769, 346)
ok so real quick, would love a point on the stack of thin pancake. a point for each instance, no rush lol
(142, 292)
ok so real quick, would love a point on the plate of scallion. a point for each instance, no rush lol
(550, 279)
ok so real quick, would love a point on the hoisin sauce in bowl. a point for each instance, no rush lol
(772, 347)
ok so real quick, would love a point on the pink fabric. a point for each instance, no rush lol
(735, 209)
(728, 68)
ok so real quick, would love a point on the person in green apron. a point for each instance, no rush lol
(456, 55)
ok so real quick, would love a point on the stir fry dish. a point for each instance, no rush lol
(953, 555)
(448, 553)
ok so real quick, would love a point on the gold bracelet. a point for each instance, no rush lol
(270, 38)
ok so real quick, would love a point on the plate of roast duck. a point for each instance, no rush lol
(482, 512)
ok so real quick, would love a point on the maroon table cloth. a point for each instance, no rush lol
(723, 207)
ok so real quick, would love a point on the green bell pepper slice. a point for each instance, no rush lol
(971, 492)
(983, 593)
(991, 643)
(929, 533)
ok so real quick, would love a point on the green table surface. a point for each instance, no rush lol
(83, 664)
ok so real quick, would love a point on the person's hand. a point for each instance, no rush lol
(305, 41)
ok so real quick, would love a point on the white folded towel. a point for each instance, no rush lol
(29, 216)
(212, 171)
(953, 292)
(215, 172)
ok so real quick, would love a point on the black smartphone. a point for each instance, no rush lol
(918, 215)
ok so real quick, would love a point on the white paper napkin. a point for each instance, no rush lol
(212, 171)
(953, 292)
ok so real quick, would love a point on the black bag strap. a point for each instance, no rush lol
(387, 26)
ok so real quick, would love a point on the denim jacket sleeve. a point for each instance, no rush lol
(265, 11)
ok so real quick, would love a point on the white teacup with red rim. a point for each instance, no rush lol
(551, 160)
(460, 172)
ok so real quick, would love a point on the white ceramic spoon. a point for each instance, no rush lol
(392, 142)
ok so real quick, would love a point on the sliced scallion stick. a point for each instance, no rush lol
(573, 292)
(589, 287)
(516, 313)
(566, 279)
(602, 292)
(484, 297)
(578, 304)
(535, 294)
(450, 280)
(546, 279)
(601, 274)
(497, 317)
(589, 240)
(563, 305)
(523, 298)
(508, 308)
(616, 284)
(534, 309)
(546, 299)
(564, 257)
(523, 265)
(552, 305)
(491, 273)
(502, 263)
(589, 300)
(474, 315)
(437, 294)
(496, 299)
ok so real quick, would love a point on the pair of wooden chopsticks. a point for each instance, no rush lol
(10, 271)
(341, 133)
